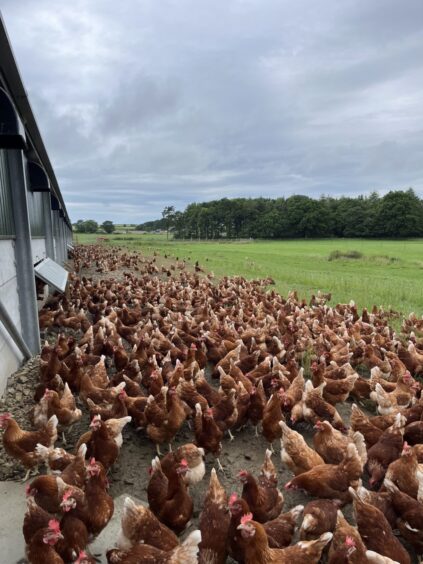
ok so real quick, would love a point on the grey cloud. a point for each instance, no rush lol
(137, 102)
(144, 104)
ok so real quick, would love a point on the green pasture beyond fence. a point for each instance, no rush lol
(388, 273)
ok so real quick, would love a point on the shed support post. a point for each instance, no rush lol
(59, 248)
(64, 243)
(23, 252)
(48, 225)
(55, 241)
(59, 237)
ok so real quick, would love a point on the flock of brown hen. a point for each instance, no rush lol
(136, 349)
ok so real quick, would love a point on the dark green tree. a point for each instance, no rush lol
(168, 214)
(91, 226)
(108, 226)
(400, 215)
(86, 226)
(79, 226)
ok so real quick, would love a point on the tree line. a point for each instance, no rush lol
(91, 226)
(398, 214)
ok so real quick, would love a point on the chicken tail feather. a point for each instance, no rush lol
(188, 551)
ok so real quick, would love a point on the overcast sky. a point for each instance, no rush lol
(148, 103)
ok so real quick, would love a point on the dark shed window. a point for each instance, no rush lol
(36, 213)
(7, 227)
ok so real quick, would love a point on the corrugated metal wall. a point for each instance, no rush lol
(36, 213)
(6, 212)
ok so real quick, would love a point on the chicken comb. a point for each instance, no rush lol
(242, 473)
(68, 493)
(209, 411)
(233, 498)
(54, 525)
(93, 467)
(6, 415)
(349, 541)
(193, 346)
(28, 489)
(246, 518)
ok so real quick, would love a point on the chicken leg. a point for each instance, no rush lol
(30, 471)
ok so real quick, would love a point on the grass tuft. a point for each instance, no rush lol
(336, 255)
(307, 357)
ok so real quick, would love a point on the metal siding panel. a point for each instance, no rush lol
(11, 358)
(9, 280)
(7, 226)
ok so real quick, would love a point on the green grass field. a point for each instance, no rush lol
(388, 273)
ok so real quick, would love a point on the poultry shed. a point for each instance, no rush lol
(34, 224)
